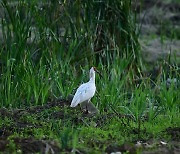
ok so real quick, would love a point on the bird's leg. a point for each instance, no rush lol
(87, 107)
(80, 107)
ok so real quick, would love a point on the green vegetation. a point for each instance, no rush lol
(46, 52)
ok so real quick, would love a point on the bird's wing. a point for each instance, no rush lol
(83, 93)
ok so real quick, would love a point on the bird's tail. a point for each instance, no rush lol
(74, 103)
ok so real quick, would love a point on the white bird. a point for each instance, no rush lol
(86, 91)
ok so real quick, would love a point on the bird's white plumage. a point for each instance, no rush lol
(86, 91)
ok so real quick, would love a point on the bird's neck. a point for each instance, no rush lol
(92, 78)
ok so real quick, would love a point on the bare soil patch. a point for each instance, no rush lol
(159, 24)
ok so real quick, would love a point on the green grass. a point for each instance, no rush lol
(46, 53)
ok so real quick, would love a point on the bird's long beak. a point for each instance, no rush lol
(98, 72)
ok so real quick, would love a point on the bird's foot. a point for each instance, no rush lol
(85, 111)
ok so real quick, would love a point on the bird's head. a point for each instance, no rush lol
(93, 70)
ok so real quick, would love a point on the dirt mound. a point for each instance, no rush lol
(19, 124)
(29, 145)
(58, 110)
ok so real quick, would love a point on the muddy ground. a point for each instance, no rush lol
(30, 144)
(33, 145)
